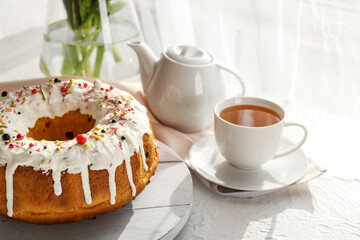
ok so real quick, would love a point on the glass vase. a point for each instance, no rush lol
(88, 38)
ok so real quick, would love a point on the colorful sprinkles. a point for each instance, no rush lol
(111, 103)
(63, 89)
(81, 139)
(43, 93)
(72, 81)
(98, 133)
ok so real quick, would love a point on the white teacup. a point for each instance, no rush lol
(248, 145)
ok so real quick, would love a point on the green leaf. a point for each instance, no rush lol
(114, 7)
(98, 61)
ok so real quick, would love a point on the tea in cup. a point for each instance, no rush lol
(248, 131)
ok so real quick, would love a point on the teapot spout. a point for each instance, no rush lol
(147, 60)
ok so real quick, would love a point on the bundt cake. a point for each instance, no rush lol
(71, 150)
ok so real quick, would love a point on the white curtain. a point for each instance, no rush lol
(304, 51)
(20, 16)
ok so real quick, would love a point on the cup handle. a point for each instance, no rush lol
(296, 146)
(233, 72)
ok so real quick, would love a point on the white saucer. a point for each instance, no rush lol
(277, 173)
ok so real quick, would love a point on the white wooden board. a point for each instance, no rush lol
(159, 212)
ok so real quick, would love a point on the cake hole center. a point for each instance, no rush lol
(61, 128)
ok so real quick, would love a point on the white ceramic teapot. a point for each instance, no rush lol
(182, 86)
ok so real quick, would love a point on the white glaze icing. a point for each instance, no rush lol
(20, 110)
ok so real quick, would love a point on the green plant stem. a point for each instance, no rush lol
(115, 53)
(71, 60)
(43, 67)
(98, 60)
(85, 64)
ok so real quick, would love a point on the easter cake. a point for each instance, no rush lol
(71, 150)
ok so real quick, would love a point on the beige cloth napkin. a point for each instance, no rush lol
(174, 146)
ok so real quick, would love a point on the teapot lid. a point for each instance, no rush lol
(188, 55)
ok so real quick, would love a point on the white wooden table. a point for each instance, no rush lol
(326, 208)
(159, 212)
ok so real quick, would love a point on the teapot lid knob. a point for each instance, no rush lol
(188, 55)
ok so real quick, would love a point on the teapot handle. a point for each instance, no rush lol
(224, 67)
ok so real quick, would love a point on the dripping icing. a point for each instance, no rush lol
(9, 188)
(86, 184)
(56, 175)
(112, 184)
(142, 151)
